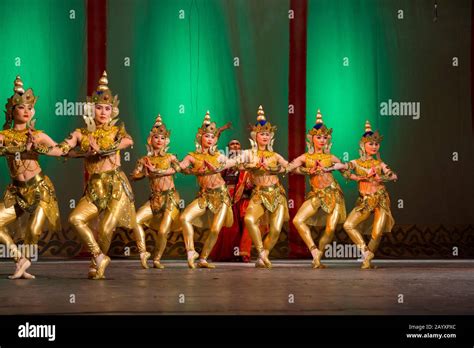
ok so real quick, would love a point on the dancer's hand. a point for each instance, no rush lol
(262, 164)
(150, 168)
(32, 140)
(316, 167)
(209, 166)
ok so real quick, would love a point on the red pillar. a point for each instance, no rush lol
(96, 42)
(297, 120)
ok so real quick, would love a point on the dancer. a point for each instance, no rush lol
(212, 207)
(325, 201)
(268, 201)
(108, 192)
(30, 191)
(161, 211)
(370, 174)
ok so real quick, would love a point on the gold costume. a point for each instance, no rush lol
(212, 209)
(35, 195)
(268, 203)
(162, 218)
(360, 219)
(32, 195)
(323, 206)
(161, 212)
(107, 193)
(378, 202)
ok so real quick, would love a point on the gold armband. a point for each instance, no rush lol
(42, 149)
(64, 147)
(175, 165)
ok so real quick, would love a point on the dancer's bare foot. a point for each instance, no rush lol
(192, 256)
(27, 275)
(317, 255)
(259, 263)
(264, 257)
(22, 265)
(368, 256)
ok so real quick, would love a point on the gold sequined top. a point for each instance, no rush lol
(363, 166)
(201, 157)
(320, 179)
(161, 162)
(324, 158)
(105, 137)
(13, 137)
(269, 156)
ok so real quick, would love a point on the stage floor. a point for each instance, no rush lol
(291, 287)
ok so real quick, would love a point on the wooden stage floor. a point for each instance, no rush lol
(291, 287)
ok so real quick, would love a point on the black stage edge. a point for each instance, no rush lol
(223, 331)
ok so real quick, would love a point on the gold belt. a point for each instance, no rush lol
(104, 174)
(268, 188)
(165, 192)
(214, 190)
(380, 192)
(30, 182)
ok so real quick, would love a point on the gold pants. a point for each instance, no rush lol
(255, 211)
(145, 214)
(193, 211)
(358, 216)
(85, 211)
(306, 211)
(34, 228)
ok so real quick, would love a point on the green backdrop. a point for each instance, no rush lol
(44, 41)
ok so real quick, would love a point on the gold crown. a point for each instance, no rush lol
(103, 95)
(262, 124)
(319, 127)
(160, 128)
(369, 135)
(20, 96)
(207, 126)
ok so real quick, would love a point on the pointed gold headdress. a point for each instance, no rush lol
(103, 95)
(20, 96)
(319, 127)
(262, 124)
(369, 135)
(160, 128)
(209, 127)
